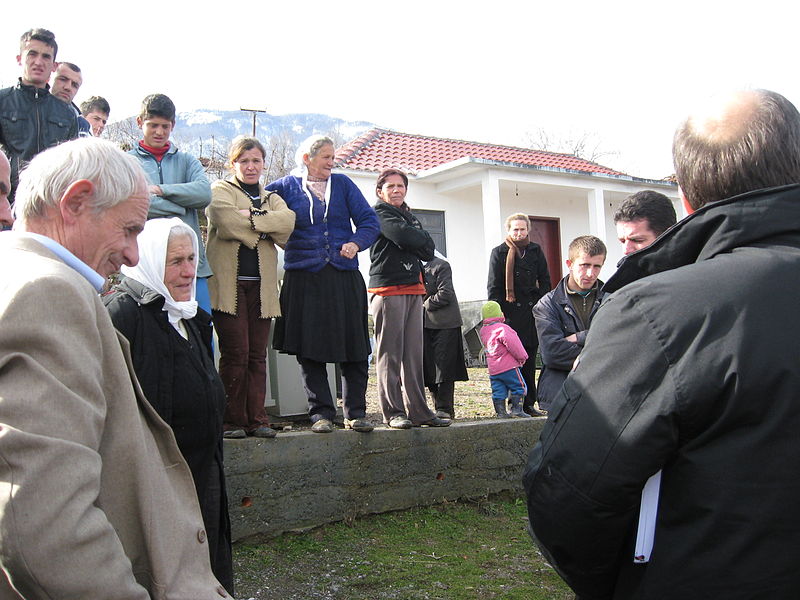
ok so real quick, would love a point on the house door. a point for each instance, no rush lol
(545, 231)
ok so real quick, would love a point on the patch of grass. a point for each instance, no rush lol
(454, 551)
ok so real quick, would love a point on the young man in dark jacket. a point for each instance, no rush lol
(563, 315)
(31, 119)
(690, 368)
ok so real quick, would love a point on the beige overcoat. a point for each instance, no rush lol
(96, 500)
(228, 229)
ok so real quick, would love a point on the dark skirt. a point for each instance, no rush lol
(324, 316)
(443, 359)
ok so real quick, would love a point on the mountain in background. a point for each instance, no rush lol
(208, 133)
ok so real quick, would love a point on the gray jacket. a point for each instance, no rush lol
(441, 304)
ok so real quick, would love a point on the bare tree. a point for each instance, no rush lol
(337, 136)
(214, 158)
(583, 144)
(280, 156)
(126, 133)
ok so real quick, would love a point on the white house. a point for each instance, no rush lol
(463, 191)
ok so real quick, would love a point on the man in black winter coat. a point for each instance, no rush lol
(686, 372)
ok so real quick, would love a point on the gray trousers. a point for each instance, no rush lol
(398, 357)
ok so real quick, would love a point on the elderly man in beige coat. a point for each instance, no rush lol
(95, 498)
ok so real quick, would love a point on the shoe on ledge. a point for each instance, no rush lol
(264, 431)
(361, 425)
(400, 422)
(435, 422)
(322, 426)
(444, 415)
(234, 434)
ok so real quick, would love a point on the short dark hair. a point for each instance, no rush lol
(42, 35)
(385, 175)
(754, 143)
(589, 244)
(72, 66)
(157, 105)
(95, 104)
(648, 205)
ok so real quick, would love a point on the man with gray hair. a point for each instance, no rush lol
(689, 382)
(95, 498)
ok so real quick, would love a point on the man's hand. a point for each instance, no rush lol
(572, 338)
(155, 190)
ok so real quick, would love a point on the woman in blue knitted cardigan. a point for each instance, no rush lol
(323, 297)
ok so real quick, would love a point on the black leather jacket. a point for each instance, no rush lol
(397, 252)
(32, 120)
(690, 366)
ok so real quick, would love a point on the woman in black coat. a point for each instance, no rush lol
(396, 285)
(170, 337)
(443, 359)
(517, 280)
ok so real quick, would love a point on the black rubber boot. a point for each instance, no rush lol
(516, 407)
(500, 408)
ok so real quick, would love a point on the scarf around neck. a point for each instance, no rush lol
(515, 249)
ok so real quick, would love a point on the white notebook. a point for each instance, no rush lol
(648, 512)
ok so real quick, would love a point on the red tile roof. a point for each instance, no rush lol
(379, 149)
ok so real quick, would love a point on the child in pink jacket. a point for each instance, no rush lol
(504, 356)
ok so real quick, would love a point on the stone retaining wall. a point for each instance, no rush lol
(301, 480)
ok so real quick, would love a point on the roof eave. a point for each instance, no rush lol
(439, 169)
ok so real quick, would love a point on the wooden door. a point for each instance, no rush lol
(546, 231)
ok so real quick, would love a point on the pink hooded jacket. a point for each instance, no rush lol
(504, 351)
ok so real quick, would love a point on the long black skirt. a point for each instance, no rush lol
(324, 316)
(443, 358)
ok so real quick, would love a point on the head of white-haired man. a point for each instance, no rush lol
(88, 196)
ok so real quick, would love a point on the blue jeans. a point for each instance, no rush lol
(507, 382)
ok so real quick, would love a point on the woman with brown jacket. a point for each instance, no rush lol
(245, 223)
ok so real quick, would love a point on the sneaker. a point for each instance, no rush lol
(322, 426)
(400, 422)
(234, 434)
(443, 415)
(435, 422)
(361, 425)
(265, 431)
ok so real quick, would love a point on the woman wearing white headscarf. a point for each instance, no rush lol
(154, 307)
(323, 297)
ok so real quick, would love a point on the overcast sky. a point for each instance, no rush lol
(624, 72)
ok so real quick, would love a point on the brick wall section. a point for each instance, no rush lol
(301, 480)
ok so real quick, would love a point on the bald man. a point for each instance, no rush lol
(690, 370)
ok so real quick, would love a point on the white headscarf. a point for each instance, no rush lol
(149, 272)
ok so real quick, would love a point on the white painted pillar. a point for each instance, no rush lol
(492, 217)
(597, 213)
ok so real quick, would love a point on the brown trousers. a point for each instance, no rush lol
(243, 359)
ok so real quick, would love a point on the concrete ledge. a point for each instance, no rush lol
(301, 480)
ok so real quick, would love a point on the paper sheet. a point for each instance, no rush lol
(648, 512)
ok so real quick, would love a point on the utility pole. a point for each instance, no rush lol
(255, 111)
